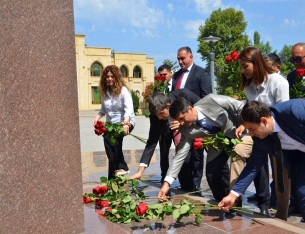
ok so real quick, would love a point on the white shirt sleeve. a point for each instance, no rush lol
(128, 104)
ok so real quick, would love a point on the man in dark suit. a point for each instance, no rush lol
(279, 131)
(191, 76)
(214, 113)
(298, 59)
(197, 80)
(160, 131)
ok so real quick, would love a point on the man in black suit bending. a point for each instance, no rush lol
(160, 127)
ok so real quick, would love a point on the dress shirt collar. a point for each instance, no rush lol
(200, 115)
(190, 67)
(276, 127)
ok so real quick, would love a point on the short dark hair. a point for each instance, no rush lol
(158, 102)
(186, 48)
(179, 105)
(253, 111)
(274, 58)
(164, 66)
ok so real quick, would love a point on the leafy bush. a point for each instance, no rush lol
(135, 100)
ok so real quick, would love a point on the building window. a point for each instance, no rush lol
(124, 71)
(96, 96)
(96, 69)
(137, 72)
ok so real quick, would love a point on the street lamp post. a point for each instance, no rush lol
(211, 39)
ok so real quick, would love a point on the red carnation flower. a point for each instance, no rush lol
(99, 212)
(99, 124)
(300, 72)
(104, 203)
(86, 199)
(103, 190)
(95, 190)
(97, 202)
(197, 145)
(228, 59)
(141, 208)
(199, 139)
(163, 78)
(103, 129)
(158, 77)
(98, 132)
(108, 209)
(234, 55)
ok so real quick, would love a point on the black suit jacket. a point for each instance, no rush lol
(198, 81)
(161, 127)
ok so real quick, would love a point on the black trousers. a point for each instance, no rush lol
(165, 143)
(190, 175)
(218, 175)
(115, 154)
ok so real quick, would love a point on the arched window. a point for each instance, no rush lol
(124, 71)
(137, 72)
(96, 69)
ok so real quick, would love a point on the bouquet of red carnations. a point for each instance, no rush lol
(113, 130)
(227, 144)
(298, 89)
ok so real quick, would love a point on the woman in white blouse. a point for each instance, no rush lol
(260, 83)
(117, 105)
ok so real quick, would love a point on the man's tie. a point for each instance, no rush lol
(212, 129)
(279, 162)
(166, 90)
(178, 84)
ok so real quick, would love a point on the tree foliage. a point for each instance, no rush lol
(135, 101)
(284, 54)
(230, 25)
(173, 64)
(265, 48)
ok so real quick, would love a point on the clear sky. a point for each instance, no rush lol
(159, 28)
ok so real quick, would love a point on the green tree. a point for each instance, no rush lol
(230, 25)
(174, 65)
(135, 101)
(285, 54)
(265, 48)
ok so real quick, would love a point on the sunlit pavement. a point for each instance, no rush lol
(95, 163)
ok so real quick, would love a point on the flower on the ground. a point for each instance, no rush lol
(100, 190)
(99, 212)
(124, 204)
(141, 208)
(86, 199)
(298, 89)
(214, 142)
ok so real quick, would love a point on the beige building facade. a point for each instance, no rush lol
(137, 71)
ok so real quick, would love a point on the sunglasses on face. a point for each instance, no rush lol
(296, 59)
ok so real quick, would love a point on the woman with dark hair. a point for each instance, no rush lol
(259, 83)
(117, 105)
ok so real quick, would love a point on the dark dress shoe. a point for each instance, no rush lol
(265, 212)
(302, 220)
(293, 210)
(252, 197)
